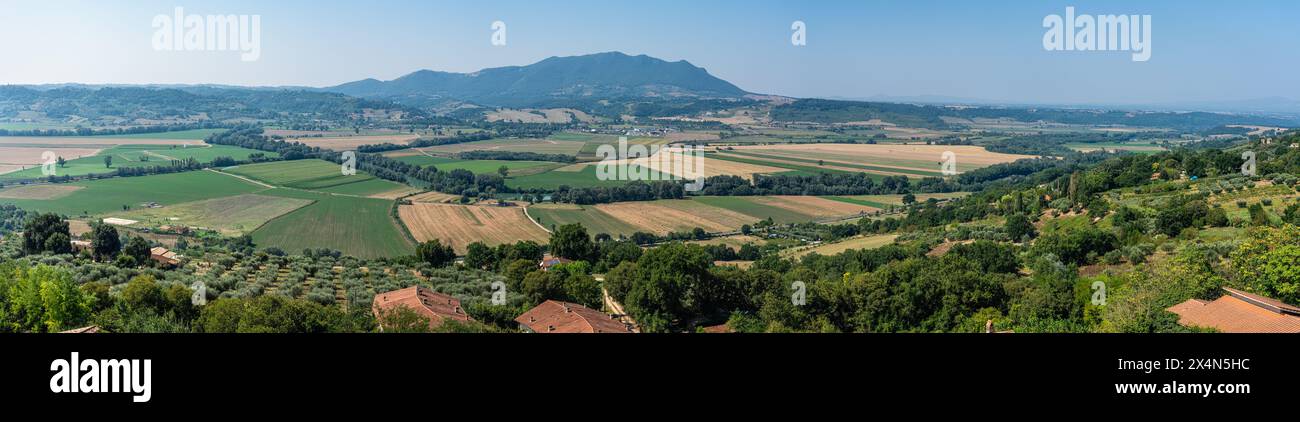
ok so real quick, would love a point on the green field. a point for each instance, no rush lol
(747, 206)
(111, 195)
(137, 156)
(315, 175)
(478, 166)
(193, 134)
(541, 146)
(596, 221)
(360, 227)
(232, 215)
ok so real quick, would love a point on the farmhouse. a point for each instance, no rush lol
(164, 257)
(81, 245)
(1239, 312)
(553, 316)
(549, 261)
(434, 306)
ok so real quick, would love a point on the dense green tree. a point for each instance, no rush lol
(105, 242)
(41, 299)
(272, 314)
(40, 229)
(138, 249)
(435, 253)
(1018, 227)
(479, 256)
(572, 242)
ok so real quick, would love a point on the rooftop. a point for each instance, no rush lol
(553, 316)
(437, 307)
(1239, 312)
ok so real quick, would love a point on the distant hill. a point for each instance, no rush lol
(594, 76)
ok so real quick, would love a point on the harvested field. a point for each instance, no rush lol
(676, 215)
(434, 197)
(32, 155)
(396, 193)
(460, 225)
(903, 157)
(39, 192)
(346, 143)
(675, 162)
(88, 141)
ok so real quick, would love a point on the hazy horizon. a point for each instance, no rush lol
(989, 52)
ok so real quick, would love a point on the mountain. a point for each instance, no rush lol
(594, 76)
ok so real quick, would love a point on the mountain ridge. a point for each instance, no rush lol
(593, 76)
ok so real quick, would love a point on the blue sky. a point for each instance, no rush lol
(1202, 50)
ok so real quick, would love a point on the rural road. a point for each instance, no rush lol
(617, 309)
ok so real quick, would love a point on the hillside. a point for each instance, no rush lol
(603, 75)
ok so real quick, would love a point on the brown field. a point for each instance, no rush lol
(344, 143)
(434, 197)
(460, 225)
(395, 193)
(78, 227)
(38, 192)
(6, 168)
(32, 155)
(675, 215)
(914, 157)
(290, 133)
(87, 142)
(712, 167)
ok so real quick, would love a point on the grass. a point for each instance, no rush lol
(361, 227)
(111, 195)
(860, 243)
(232, 215)
(136, 156)
(596, 221)
(317, 175)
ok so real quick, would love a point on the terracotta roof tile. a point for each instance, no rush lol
(553, 316)
(437, 307)
(1238, 312)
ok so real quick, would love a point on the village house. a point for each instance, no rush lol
(1239, 312)
(164, 257)
(436, 307)
(553, 316)
(549, 261)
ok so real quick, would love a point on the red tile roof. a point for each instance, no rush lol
(553, 316)
(437, 307)
(1239, 312)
